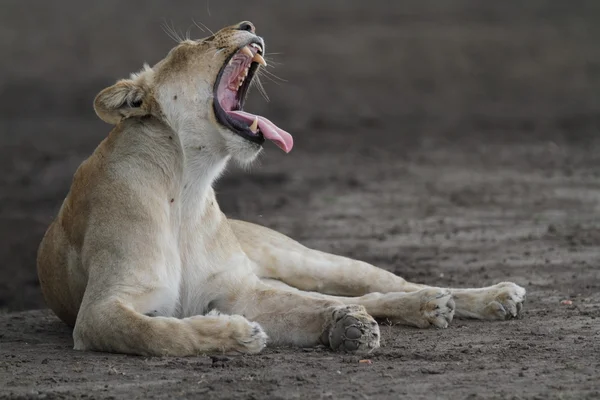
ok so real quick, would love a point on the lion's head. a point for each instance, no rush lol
(199, 90)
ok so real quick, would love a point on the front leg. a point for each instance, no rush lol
(293, 318)
(429, 307)
(276, 256)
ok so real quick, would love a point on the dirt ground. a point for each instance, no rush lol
(456, 145)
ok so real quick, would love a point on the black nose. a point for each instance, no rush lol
(246, 26)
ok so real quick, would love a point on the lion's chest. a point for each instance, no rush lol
(211, 260)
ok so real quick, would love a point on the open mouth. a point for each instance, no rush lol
(231, 88)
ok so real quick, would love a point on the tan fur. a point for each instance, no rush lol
(140, 252)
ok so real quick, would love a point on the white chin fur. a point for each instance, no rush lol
(241, 150)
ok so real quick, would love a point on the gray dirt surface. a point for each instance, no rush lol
(453, 143)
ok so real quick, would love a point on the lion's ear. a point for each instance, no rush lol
(121, 100)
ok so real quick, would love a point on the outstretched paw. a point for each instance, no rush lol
(352, 330)
(507, 301)
(437, 308)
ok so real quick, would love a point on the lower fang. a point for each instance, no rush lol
(254, 126)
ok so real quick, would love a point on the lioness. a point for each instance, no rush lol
(141, 259)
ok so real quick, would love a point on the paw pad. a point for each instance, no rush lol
(354, 332)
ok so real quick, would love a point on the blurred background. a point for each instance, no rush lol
(369, 89)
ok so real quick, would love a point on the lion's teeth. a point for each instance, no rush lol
(256, 46)
(259, 59)
(246, 50)
(254, 126)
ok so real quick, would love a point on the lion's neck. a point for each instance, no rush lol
(201, 169)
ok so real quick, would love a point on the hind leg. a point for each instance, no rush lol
(278, 257)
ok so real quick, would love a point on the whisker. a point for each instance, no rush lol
(198, 26)
(261, 89)
(260, 72)
(273, 75)
(270, 59)
(178, 33)
(271, 63)
(204, 25)
(171, 32)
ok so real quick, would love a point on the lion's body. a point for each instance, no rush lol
(128, 207)
(140, 251)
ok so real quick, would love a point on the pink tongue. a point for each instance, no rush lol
(269, 130)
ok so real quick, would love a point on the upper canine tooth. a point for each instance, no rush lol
(254, 126)
(246, 50)
(256, 46)
(259, 59)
